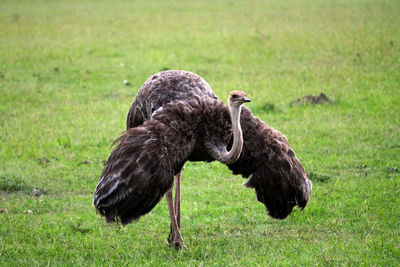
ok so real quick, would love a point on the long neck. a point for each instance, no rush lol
(234, 154)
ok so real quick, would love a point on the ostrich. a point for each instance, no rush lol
(140, 169)
(184, 103)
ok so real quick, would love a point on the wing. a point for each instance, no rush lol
(135, 178)
(279, 179)
(141, 168)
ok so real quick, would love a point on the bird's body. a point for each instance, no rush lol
(144, 162)
(176, 117)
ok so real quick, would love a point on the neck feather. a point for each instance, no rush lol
(234, 154)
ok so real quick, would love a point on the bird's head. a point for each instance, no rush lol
(237, 98)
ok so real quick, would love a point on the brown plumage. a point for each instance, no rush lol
(275, 173)
(140, 169)
(176, 117)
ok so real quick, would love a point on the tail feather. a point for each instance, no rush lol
(129, 187)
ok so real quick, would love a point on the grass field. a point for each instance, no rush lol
(63, 100)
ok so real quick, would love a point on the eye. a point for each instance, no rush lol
(234, 96)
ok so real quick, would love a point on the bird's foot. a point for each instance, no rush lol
(176, 241)
(178, 244)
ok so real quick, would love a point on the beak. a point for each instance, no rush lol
(245, 99)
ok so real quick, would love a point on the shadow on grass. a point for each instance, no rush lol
(266, 107)
(16, 184)
(316, 177)
(79, 227)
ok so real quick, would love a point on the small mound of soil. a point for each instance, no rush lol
(310, 99)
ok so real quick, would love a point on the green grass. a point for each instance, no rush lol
(63, 101)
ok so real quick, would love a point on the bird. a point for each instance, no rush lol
(176, 117)
(276, 174)
(141, 168)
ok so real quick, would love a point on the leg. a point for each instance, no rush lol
(178, 199)
(177, 205)
(177, 240)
